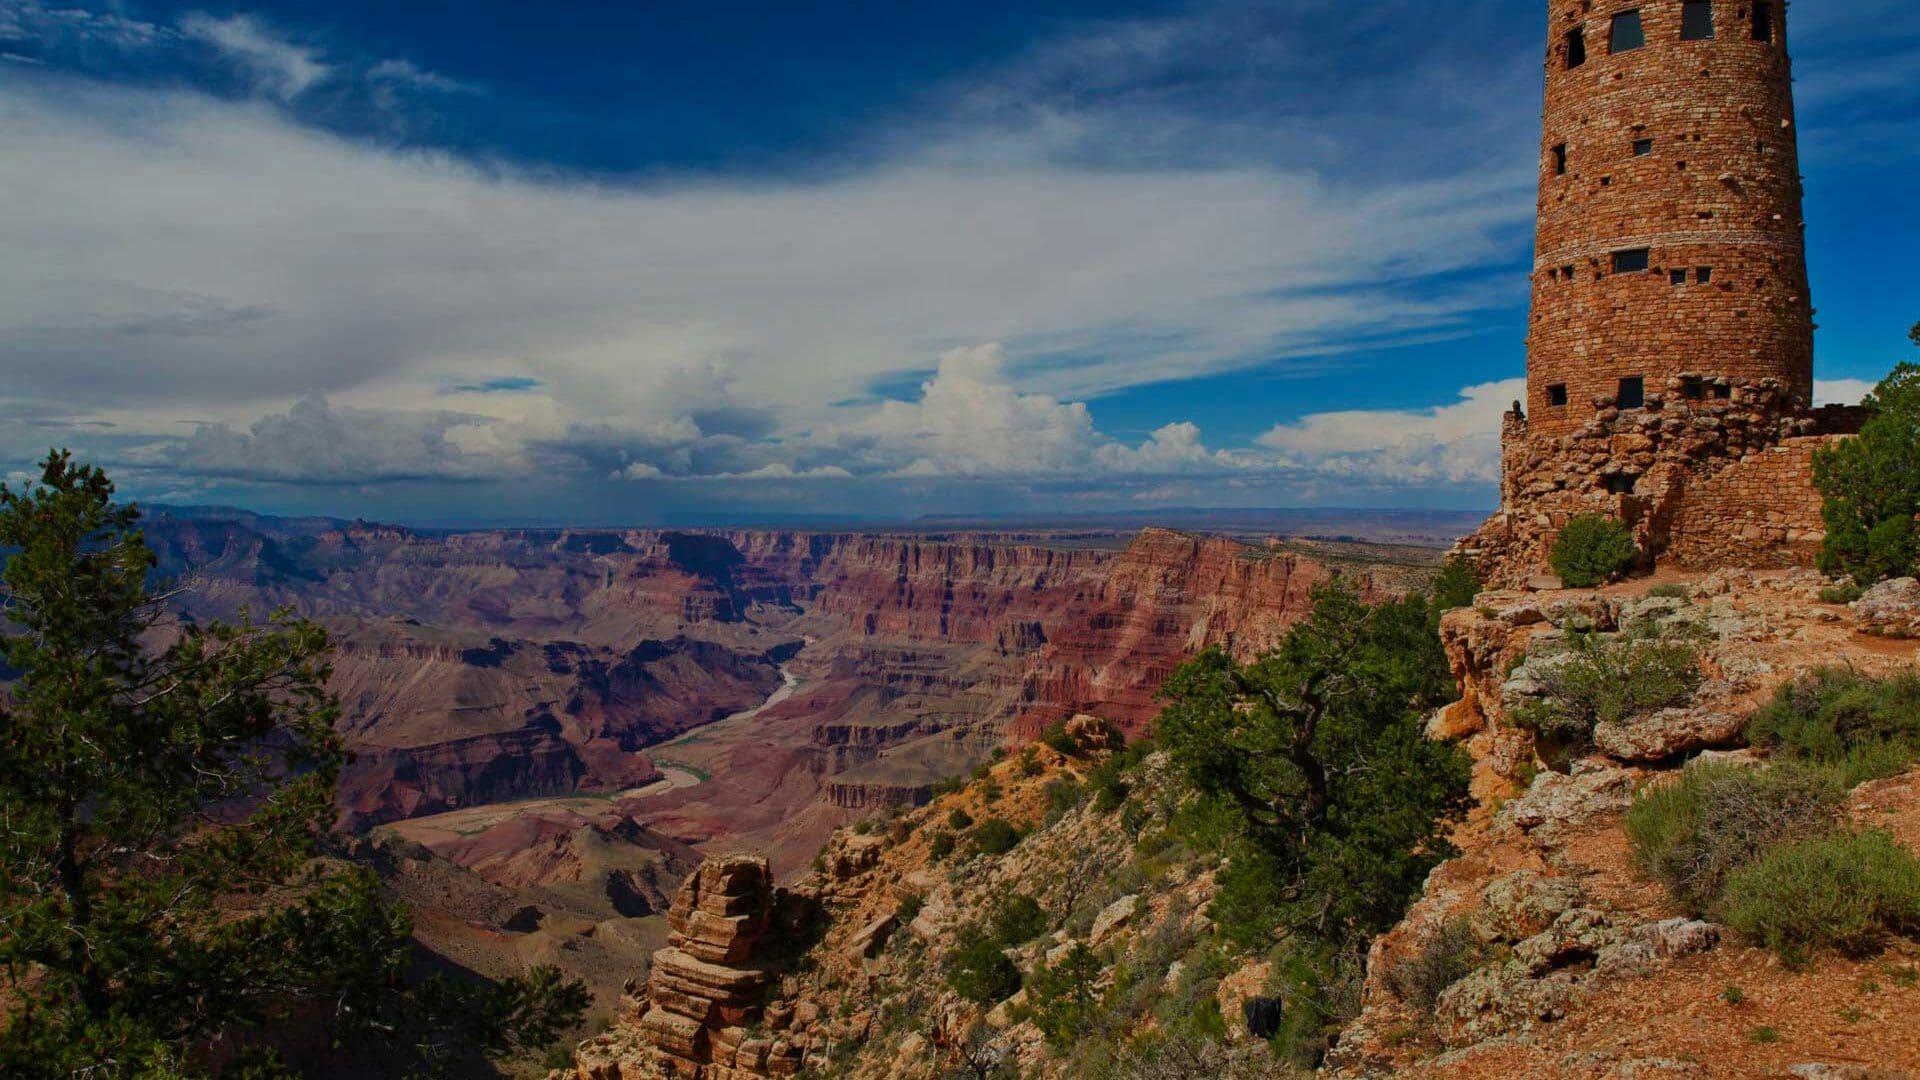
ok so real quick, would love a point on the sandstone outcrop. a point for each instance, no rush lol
(1582, 966)
(704, 1011)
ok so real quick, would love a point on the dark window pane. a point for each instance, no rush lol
(1576, 46)
(1703, 275)
(1696, 22)
(1678, 277)
(1621, 483)
(1762, 21)
(1642, 147)
(1632, 261)
(1723, 391)
(1693, 389)
(1560, 160)
(1557, 395)
(1633, 392)
(1627, 32)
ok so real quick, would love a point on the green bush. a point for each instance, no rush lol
(1836, 716)
(1696, 833)
(1062, 995)
(994, 837)
(1593, 549)
(1016, 919)
(910, 907)
(940, 846)
(1030, 763)
(1607, 679)
(1063, 794)
(1057, 738)
(1457, 584)
(1450, 955)
(978, 969)
(1847, 891)
(1672, 590)
(959, 820)
(1841, 594)
(1871, 486)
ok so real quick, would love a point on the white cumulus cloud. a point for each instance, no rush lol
(1454, 443)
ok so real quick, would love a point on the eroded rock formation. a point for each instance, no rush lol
(704, 1012)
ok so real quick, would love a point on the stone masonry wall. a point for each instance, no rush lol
(1715, 481)
(1761, 512)
(1685, 148)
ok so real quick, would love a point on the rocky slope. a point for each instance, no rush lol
(1581, 966)
(1590, 970)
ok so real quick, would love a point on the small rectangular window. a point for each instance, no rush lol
(1723, 391)
(1632, 261)
(1557, 395)
(1560, 160)
(1621, 483)
(1696, 21)
(1633, 393)
(1628, 34)
(1762, 21)
(1703, 275)
(1678, 277)
(1642, 147)
(1576, 47)
(1567, 272)
(1693, 389)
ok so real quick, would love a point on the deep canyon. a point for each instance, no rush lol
(550, 727)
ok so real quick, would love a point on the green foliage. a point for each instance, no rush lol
(1732, 994)
(910, 907)
(1696, 833)
(1448, 956)
(1671, 590)
(1063, 793)
(1321, 988)
(1056, 737)
(978, 969)
(1457, 584)
(959, 820)
(1833, 716)
(1607, 679)
(1016, 919)
(994, 837)
(1030, 763)
(1249, 896)
(158, 814)
(1841, 594)
(1871, 486)
(1109, 781)
(1062, 995)
(1845, 891)
(1593, 549)
(1315, 755)
(940, 846)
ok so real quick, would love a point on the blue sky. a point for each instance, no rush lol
(632, 263)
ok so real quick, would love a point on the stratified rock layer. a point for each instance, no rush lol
(700, 1013)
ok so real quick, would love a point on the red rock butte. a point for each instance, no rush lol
(1670, 342)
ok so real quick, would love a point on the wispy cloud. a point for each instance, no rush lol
(279, 66)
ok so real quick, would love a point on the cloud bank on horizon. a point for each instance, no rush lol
(1151, 259)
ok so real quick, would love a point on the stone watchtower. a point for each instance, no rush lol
(1671, 334)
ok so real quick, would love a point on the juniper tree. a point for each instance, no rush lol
(162, 786)
(1871, 485)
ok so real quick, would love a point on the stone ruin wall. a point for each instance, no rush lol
(1703, 483)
